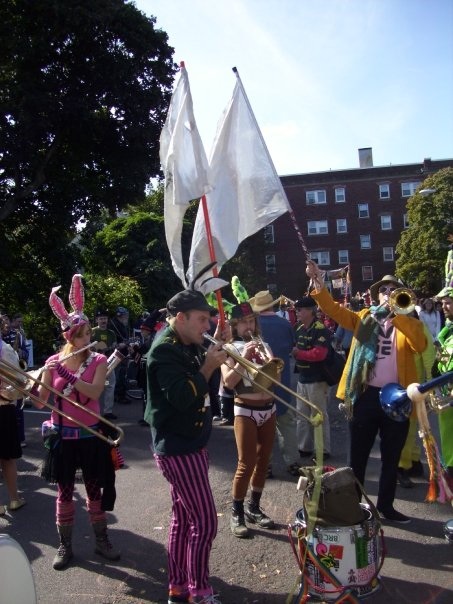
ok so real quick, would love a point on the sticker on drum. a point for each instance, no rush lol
(346, 555)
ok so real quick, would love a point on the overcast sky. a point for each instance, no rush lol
(323, 77)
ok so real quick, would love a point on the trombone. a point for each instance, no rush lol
(11, 375)
(262, 379)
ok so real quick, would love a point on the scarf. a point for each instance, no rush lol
(363, 355)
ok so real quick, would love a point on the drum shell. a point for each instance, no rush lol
(351, 554)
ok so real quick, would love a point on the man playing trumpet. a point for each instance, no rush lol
(383, 350)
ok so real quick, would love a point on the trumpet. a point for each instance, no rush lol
(266, 376)
(14, 376)
(402, 301)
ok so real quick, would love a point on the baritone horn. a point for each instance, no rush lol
(402, 301)
(14, 376)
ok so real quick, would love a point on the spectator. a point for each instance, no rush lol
(106, 344)
(279, 334)
(313, 340)
(430, 317)
(10, 447)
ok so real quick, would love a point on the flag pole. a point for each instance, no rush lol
(211, 249)
(290, 210)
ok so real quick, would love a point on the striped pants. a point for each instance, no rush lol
(193, 524)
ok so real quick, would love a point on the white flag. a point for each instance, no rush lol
(247, 194)
(185, 167)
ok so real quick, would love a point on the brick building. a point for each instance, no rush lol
(350, 217)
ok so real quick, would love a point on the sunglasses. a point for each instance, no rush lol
(386, 290)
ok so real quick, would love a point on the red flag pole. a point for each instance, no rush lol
(215, 272)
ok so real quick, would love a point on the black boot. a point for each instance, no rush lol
(237, 520)
(103, 545)
(64, 552)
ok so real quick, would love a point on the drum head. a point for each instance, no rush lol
(16, 577)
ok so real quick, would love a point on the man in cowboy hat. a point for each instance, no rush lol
(278, 333)
(383, 350)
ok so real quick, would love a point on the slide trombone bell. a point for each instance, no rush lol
(267, 377)
(12, 375)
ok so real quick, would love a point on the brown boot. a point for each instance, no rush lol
(103, 545)
(64, 552)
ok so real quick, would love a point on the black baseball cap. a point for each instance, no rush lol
(188, 299)
(305, 302)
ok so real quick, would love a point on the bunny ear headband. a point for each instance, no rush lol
(69, 321)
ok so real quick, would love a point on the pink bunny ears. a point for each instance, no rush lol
(69, 321)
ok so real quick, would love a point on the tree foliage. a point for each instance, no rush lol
(84, 89)
(422, 248)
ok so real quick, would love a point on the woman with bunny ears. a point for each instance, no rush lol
(80, 377)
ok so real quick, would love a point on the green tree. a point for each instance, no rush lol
(422, 248)
(84, 89)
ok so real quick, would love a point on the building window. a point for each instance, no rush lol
(315, 197)
(317, 227)
(342, 225)
(340, 195)
(365, 242)
(387, 253)
(343, 257)
(270, 263)
(384, 191)
(386, 222)
(269, 233)
(321, 258)
(363, 210)
(367, 273)
(405, 221)
(409, 188)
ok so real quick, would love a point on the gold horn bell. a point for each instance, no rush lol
(402, 301)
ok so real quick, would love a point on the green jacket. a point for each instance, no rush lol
(180, 420)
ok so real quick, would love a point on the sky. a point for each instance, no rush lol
(323, 77)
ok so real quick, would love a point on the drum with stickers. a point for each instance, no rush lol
(342, 558)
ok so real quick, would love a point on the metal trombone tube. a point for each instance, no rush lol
(6, 376)
(249, 365)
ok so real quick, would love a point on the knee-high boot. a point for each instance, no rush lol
(64, 552)
(103, 545)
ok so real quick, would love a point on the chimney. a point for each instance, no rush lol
(366, 157)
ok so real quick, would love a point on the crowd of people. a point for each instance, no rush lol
(187, 382)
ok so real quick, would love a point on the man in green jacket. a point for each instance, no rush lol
(179, 413)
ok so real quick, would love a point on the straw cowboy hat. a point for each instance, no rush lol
(263, 300)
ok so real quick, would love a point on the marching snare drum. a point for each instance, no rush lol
(350, 555)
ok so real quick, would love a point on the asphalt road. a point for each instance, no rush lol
(260, 570)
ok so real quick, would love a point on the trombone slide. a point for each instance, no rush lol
(11, 375)
(266, 378)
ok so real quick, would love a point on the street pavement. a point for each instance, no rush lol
(260, 570)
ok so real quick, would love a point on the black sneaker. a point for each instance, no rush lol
(416, 470)
(395, 516)
(404, 480)
(257, 516)
(174, 598)
(238, 526)
(110, 416)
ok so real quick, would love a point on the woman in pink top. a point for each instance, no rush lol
(81, 378)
